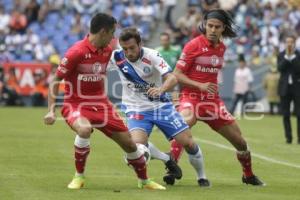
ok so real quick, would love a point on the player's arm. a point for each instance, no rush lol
(50, 117)
(184, 80)
(66, 66)
(170, 81)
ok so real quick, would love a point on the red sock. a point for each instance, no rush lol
(245, 160)
(81, 155)
(176, 150)
(139, 166)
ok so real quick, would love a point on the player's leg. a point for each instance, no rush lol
(83, 129)
(117, 131)
(195, 155)
(233, 134)
(136, 159)
(140, 131)
(190, 118)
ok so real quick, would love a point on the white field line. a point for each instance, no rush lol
(262, 157)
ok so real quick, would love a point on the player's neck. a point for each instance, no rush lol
(93, 41)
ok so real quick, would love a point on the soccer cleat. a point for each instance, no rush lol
(202, 182)
(173, 168)
(253, 180)
(77, 182)
(169, 179)
(173, 172)
(149, 184)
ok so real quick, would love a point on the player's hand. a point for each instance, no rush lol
(49, 118)
(154, 92)
(208, 87)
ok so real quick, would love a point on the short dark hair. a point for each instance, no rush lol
(291, 35)
(230, 27)
(102, 21)
(130, 32)
(165, 34)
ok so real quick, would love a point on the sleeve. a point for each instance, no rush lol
(160, 64)
(68, 63)
(186, 58)
(111, 64)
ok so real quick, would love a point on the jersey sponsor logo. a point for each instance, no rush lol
(96, 67)
(145, 60)
(62, 69)
(89, 77)
(137, 87)
(214, 60)
(207, 69)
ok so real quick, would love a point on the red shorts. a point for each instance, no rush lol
(212, 111)
(102, 117)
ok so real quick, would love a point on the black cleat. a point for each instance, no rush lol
(203, 182)
(253, 180)
(173, 172)
(169, 179)
(173, 169)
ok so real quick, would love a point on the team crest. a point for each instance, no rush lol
(147, 70)
(97, 67)
(215, 60)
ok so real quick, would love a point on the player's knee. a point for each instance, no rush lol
(84, 132)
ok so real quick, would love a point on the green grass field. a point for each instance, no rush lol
(36, 163)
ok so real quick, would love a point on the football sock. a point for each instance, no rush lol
(196, 160)
(245, 159)
(157, 154)
(176, 150)
(82, 150)
(137, 161)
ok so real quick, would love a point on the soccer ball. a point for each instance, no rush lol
(145, 150)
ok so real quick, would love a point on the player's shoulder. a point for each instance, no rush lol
(151, 54)
(77, 50)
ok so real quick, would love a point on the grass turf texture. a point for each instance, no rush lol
(36, 163)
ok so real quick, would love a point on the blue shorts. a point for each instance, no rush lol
(166, 118)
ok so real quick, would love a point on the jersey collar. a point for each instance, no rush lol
(208, 43)
(89, 45)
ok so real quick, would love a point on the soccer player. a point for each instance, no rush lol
(86, 105)
(146, 103)
(197, 71)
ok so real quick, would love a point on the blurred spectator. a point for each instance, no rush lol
(77, 25)
(44, 10)
(2, 85)
(91, 6)
(43, 50)
(12, 89)
(4, 20)
(170, 54)
(242, 80)
(270, 84)
(32, 11)
(289, 84)
(170, 5)
(40, 91)
(18, 21)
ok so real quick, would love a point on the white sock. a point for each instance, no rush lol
(157, 154)
(197, 162)
(81, 142)
(134, 155)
